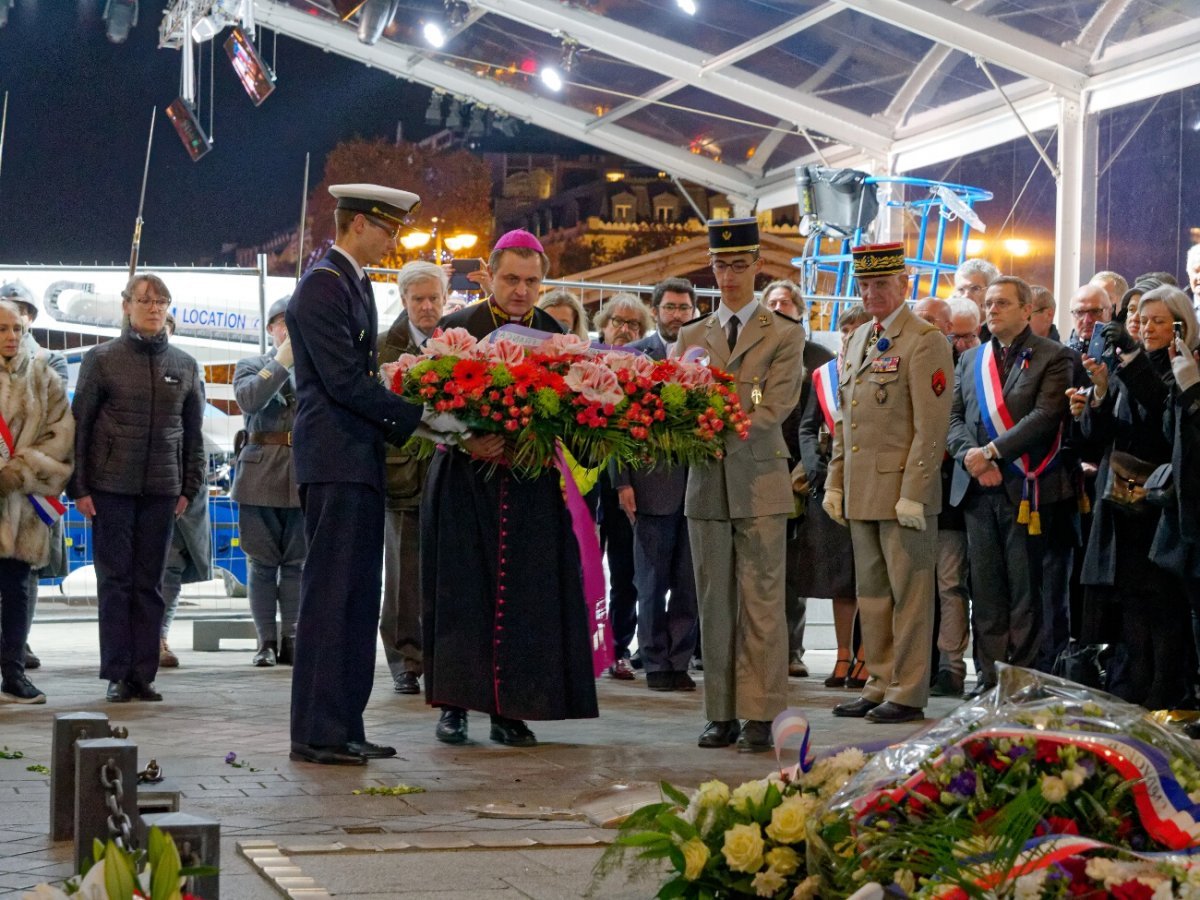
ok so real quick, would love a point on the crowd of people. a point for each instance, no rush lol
(955, 478)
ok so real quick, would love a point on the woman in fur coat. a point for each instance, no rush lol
(37, 447)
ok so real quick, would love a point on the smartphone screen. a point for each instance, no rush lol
(463, 268)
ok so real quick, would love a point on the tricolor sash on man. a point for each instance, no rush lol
(825, 383)
(49, 509)
(997, 420)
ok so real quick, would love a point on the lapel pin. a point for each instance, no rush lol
(882, 344)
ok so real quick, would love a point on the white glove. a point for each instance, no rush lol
(910, 514)
(283, 355)
(1187, 373)
(832, 504)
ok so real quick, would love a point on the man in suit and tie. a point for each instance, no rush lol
(737, 507)
(653, 501)
(270, 523)
(422, 287)
(885, 480)
(344, 414)
(1006, 433)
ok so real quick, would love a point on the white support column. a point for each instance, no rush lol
(1075, 209)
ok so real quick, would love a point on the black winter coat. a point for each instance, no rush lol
(139, 405)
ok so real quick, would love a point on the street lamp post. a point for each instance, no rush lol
(456, 242)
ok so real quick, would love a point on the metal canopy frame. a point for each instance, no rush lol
(805, 86)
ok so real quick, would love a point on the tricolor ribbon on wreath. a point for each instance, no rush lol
(997, 420)
(49, 509)
(825, 383)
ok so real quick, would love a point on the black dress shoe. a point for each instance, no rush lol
(452, 726)
(118, 692)
(755, 737)
(978, 691)
(266, 656)
(327, 756)
(947, 684)
(370, 751)
(406, 683)
(660, 681)
(719, 734)
(512, 732)
(287, 651)
(683, 681)
(142, 690)
(855, 709)
(890, 713)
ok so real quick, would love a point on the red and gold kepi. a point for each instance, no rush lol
(871, 260)
(733, 235)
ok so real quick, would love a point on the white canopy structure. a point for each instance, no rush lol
(738, 93)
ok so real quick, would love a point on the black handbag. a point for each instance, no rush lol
(1160, 486)
(1126, 485)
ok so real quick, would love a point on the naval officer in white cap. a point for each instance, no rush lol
(343, 417)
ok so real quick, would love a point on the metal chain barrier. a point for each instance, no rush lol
(119, 826)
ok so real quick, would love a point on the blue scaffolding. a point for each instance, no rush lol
(827, 246)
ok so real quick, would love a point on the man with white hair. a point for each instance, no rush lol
(964, 325)
(1193, 273)
(1114, 285)
(1090, 306)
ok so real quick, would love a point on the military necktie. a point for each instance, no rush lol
(732, 334)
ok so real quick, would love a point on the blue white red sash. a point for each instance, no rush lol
(825, 383)
(49, 509)
(997, 420)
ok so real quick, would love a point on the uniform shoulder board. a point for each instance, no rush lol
(332, 271)
(699, 318)
(786, 316)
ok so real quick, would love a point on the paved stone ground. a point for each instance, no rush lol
(301, 821)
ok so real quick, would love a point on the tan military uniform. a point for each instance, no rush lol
(737, 511)
(895, 417)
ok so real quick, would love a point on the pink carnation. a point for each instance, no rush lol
(693, 375)
(595, 382)
(505, 352)
(406, 362)
(564, 345)
(453, 342)
(640, 365)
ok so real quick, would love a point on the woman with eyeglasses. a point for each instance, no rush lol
(139, 404)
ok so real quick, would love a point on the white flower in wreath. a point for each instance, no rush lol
(1029, 887)
(767, 883)
(1054, 789)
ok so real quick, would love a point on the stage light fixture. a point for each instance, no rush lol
(454, 117)
(120, 17)
(569, 48)
(223, 12)
(374, 18)
(456, 13)
(478, 126)
(551, 78)
(434, 36)
(433, 115)
(688, 6)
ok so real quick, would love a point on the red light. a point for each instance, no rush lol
(529, 65)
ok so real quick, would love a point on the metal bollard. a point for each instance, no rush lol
(68, 728)
(105, 793)
(199, 843)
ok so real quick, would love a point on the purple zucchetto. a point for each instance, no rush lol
(518, 238)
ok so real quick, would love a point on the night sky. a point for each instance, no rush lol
(79, 115)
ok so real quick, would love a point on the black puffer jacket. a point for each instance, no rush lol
(138, 407)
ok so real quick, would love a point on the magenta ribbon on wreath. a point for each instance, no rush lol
(594, 590)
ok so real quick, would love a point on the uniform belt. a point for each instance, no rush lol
(283, 438)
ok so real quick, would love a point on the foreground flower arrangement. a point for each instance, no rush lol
(600, 405)
(1044, 789)
(155, 873)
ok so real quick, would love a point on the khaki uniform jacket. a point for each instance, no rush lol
(895, 418)
(753, 478)
(265, 474)
(405, 473)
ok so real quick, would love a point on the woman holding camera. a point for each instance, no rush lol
(1131, 601)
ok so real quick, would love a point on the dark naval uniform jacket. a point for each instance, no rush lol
(332, 322)
(265, 475)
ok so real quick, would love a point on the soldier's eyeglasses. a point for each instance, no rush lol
(720, 267)
(393, 231)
